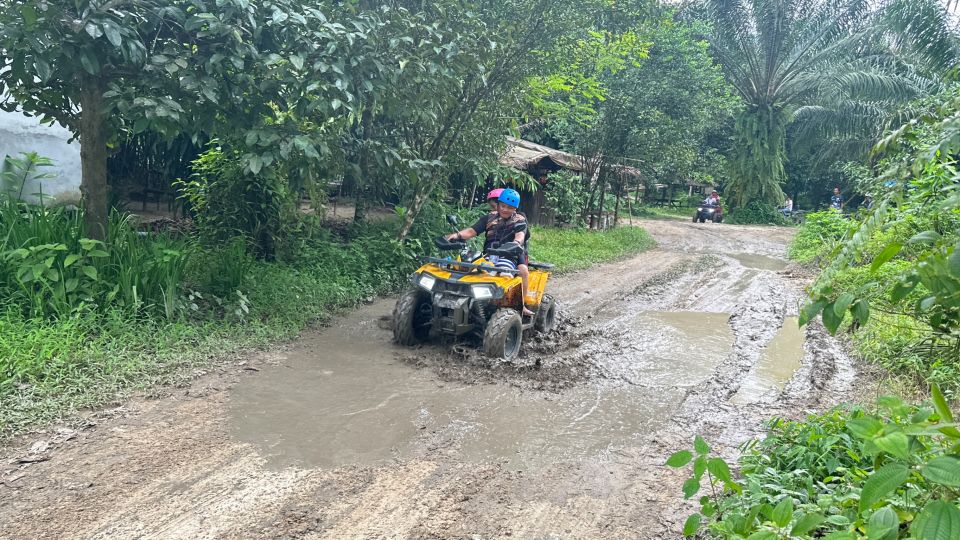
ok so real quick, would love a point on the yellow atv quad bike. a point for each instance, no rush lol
(470, 296)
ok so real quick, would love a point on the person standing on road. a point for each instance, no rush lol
(836, 201)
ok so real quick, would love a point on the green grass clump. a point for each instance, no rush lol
(656, 212)
(819, 234)
(576, 249)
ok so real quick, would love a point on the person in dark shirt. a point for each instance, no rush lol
(507, 225)
(836, 201)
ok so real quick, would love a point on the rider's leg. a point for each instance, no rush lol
(524, 271)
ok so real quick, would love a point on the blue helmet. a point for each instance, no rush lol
(510, 197)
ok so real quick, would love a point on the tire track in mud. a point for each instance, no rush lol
(177, 468)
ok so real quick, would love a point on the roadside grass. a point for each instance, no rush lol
(576, 249)
(656, 212)
(52, 367)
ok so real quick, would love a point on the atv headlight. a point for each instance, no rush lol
(699, 209)
(427, 281)
(482, 292)
(711, 210)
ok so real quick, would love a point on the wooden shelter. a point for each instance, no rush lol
(538, 161)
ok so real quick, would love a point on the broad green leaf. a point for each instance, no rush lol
(842, 303)
(888, 253)
(691, 526)
(99, 253)
(719, 469)
(896, 444)
(861, 311)
(883, 525)
(699, 467)
(71, 258)
(940, 404)
(679, 459)
(690, 488)
(943, 470)
(90, 272)
(29, 14)
(830, 318)
(700, 445)
(43, 69)
(809, 311)
(881, 483)
(939, 520)
(112, 33)
(763, 535)
(926, 237)
(840, 535)
(89, 62)
(783, 512)
(806, 523)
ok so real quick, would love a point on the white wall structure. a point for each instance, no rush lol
(20, 133)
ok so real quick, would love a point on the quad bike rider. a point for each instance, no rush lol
(483, 294)
(709, 209)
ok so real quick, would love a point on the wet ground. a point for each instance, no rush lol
(344, 435)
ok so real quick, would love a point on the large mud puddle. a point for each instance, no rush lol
(759, 262)
(343, 397)
(780, 360)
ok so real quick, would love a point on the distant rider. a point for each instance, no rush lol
(506, 225)
(713, 199)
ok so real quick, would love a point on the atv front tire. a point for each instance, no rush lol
(412, 317)
(503, 334)
(546, 315)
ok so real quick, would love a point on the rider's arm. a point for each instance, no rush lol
(465, 234)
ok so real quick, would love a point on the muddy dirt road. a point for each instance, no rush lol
(341, 434)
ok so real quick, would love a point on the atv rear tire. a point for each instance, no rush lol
(503, 334)
(546, 315)
(412, 317)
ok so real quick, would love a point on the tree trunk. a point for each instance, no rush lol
(93, 157)
(616, 208)
(420, 197)
(363, 163)
(473, 196)
(603, 192)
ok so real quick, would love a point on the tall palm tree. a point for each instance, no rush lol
(838, 63)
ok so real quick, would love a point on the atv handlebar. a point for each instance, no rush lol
(446, 245)
(511, 250)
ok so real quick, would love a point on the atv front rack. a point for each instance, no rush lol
(460, 264)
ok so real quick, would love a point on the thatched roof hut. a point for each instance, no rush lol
(528, 156)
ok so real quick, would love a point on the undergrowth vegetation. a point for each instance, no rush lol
(846, 474)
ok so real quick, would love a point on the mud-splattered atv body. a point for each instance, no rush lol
(454, 298)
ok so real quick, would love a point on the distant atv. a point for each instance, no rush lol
(712, 212)
(470, 295)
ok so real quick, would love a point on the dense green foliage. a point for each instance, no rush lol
(841, 71)
(756, 213)
(844, 475)
(818, 236)
(901, 260)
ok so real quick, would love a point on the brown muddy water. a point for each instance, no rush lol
(339, 400)
(759, 262)
(780, 360)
